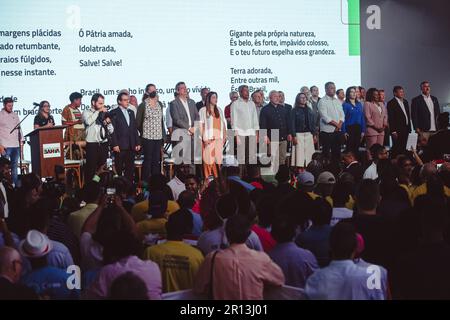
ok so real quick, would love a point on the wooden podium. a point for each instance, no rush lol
(47, 150)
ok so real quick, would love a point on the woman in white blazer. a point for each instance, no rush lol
(213, 131)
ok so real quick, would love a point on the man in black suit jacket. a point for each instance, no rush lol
(10, 273)
(125, 139)
(204, 92)
(184, 114)
(399, 121)
(352, 166)
(425, 110)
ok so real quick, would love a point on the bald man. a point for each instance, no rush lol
(10, 272)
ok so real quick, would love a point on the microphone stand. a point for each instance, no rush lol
(19, 136)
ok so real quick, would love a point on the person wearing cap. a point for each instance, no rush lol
(305, 181)
(11, 266)
(325, 186)
(230, 169)
(47, 281)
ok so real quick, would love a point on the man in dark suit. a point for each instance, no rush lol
(125, 140)
(10, 273)
(399, 121)
(184, 113)
(424, 111)
(204, 92)
(352, 166)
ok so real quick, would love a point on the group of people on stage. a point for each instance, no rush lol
(353, 117)
(319, 230)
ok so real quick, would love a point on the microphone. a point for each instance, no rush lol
(35, 104)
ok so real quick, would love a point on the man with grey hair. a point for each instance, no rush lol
(258, 99)
(283, 102)
(227, 110)
(275, 116)
(10, 273)
(244, 122)
(184, 114)
(331, 119)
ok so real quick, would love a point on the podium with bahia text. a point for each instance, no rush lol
(47, 150)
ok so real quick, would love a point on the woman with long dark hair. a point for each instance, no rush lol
(44, 119)
(213, 130)
(303, 130)
(354, 124)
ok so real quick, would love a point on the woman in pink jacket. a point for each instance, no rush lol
(376, 118)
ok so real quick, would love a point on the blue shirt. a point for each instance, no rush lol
(353, 115)
(344, 280)
(51, 282)
(297, 263)
(197, 222)
(246, 185)
(316, 240)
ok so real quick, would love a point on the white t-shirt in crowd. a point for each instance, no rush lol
(371, 172)
(340, 214)
(216, 239)
(91, 252)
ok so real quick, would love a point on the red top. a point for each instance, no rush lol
(265, 237)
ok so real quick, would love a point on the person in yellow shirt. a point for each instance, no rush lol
(91, 194)
(140, 209)
(428, 174)
(157, 182)
(155, 222)
(178, 261)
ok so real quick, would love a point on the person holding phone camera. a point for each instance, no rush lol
(99, 128)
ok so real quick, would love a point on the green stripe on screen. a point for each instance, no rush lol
(354, 40)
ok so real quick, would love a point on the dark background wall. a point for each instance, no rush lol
(412, 45)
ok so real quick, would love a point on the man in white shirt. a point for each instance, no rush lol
(425, 110)
(378, 153)
(245, 123)
(331, 119)
(177, 184)
(98, 127)
(343, 279)
(10, 146)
